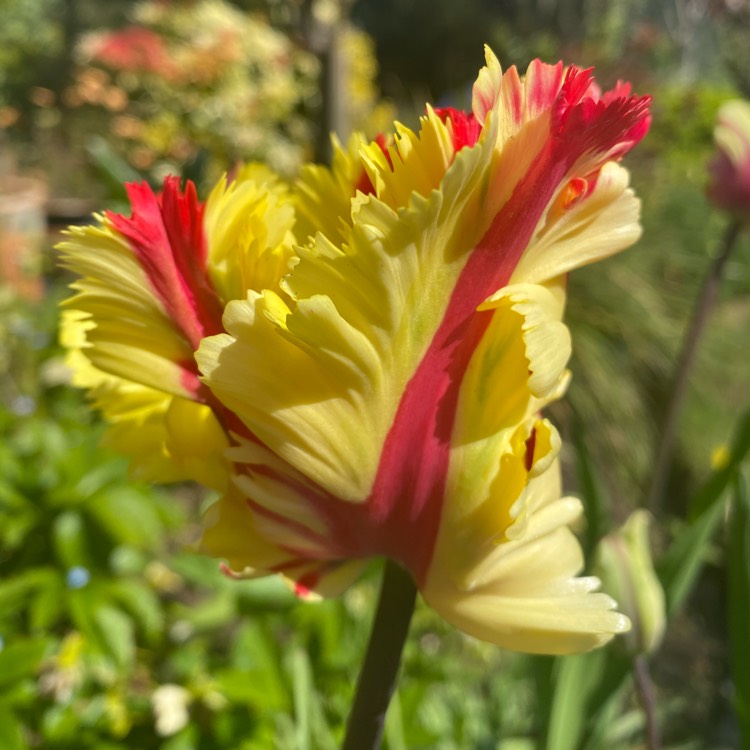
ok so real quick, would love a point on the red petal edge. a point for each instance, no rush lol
(167, 237)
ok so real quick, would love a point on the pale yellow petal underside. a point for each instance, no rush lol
(524, 594)
(596, 227)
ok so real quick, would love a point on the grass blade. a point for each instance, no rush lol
(738, 570)
(681, 565)
(721, 479)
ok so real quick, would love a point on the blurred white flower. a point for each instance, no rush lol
(170, 704)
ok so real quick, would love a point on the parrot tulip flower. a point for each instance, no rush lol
(380, 392)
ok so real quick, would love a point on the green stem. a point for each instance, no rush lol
(377, 679)
(645, 689)
(678, 391)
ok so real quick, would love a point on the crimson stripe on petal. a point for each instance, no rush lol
(404, 509)
(168, 239)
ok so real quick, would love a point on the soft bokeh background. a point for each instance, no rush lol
(113, 632)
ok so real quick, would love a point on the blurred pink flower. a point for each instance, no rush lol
(729, 171)
(134, 48)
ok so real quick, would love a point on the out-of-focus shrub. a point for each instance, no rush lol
(193, 87)
(198, 82)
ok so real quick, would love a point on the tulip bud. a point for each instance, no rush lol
(729, 180)
(623, 562)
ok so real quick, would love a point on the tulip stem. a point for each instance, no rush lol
(377, 679)
(680, 379)
(645, 688)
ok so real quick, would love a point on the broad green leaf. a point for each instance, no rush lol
(16, 590)
(128, 516)
(255, 676)
(738, 564)
(60, 725)
(394, 725)
(98, 476)
(81, 607)
(11, 735)
(46, 605)
(308, 700)
(185, 739)
(20, 660)
(298, 667)
(264, 594)
(115, 630)
(576, 680)
(142, 603)
(108, 628)
(210, 613)
(69, 538)
(199, 570)
(23, 694)
(18, 516)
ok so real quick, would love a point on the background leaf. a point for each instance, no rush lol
(738, 565)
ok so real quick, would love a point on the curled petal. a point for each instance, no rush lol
(584, 228)
(524, 594)
(131, 335)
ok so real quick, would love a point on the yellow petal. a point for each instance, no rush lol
(167, 438)
(324, 196)
(416, 163)
(546, 339)
(196, 443)
(248, 225)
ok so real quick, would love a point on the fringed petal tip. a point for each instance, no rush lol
(568, 623)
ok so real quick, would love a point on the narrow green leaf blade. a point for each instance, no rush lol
(303, 696)
(584, 686)
(721, 479)
(680, 567)
(738, 564)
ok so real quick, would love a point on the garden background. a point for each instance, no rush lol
(114, 632)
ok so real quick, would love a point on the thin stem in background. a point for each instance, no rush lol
(645, 689)
(701, 313)
(377, 680)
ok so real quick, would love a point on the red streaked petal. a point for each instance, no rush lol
(466, 127)
(607, 126)
(542, 85)
(166, 236)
